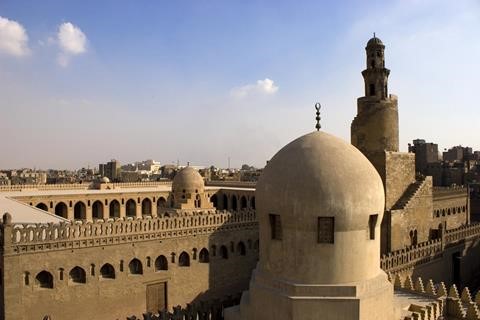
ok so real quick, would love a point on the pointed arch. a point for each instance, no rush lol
(203, 256)
(146, 207)
(77, 275)
(80, 211)
(107, 271)
(97, 210)
(131, 208)
(243, 203)
(44, 279)
(135, 266)
(61, 210)
(114, 211)
(42, 206)
(161, 263)
(241, 250)
(224, 252)
(184, 259)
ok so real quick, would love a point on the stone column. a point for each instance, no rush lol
(88, 213)
(106, 211)
(138, 213)
(123, 207)
(69, 212)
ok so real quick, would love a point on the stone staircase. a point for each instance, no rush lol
(409, 195)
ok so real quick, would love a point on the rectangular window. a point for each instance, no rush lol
(326, 227)
(275, 226)
(372, 223)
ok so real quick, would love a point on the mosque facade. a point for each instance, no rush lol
(332, 230)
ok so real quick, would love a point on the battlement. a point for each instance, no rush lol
(231, 184)
(24, 238)
(409, 257)
(83, 186)
(399, 260)
(437, 301)
(448, 191)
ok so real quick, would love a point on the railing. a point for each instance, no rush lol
(21, 238)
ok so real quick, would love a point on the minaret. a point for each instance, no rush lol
(375, 128)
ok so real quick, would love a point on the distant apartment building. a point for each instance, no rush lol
(111, 170)
(425, 153)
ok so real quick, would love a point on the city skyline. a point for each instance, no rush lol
(201, 82)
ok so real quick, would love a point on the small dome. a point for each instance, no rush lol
(105, 180)
(374, 42)
(319, 176)
(188, 179)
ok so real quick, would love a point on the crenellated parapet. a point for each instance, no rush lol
(436, 301)
(83, 186)
(462, 233)
(24, 238)
(409, 257)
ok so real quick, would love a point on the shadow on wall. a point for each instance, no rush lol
(230, 257)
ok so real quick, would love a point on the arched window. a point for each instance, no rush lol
(161, 203)
(44, 279)
(203, 256)
(241, 249)
(225, 202)
(224, 252)
(61, 210)
(184, 259)
(135, 267)
(214, 250)
(77, 275)
(161, 263)
(149, 262)
(243, 203)
(79, 211)
(214, 200)
(234, 203)
(107, 271)
(372, 89)
(198, 201)
(114, 209)
(146, 207)
(131, 208)
(42, 206)
(97, 210)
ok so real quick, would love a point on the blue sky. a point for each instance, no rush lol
(200, 81)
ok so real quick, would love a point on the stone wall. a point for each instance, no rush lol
(400, 173)
(411, 224)
(222, 250)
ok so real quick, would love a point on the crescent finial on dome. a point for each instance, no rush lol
(317, 107)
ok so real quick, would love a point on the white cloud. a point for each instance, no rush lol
(13, 38)
(72, 41)
(263, 87)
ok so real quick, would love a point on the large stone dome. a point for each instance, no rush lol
(320, 176)
(188, 179)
